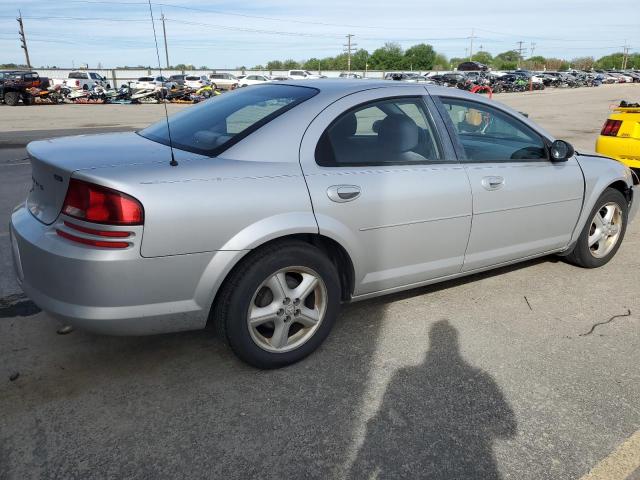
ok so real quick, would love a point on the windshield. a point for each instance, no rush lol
(214, 125)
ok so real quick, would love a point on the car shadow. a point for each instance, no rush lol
(438, 419)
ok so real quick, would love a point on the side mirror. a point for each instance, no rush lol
(561, 151)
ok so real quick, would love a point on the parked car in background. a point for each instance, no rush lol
(302, 75)
(299, 196)
(254, 80)
(349, 75)
(14, 85)
(196, 81)
(154, 82)
(84, 80)
(177, 79)
(223, 81)
(472, 67)
(620, 135)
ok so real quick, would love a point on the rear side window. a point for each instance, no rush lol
(395, 131)
(490, 135)
(212, 126)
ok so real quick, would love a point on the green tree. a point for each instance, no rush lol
(311, 64)
(274, 65)
(258, 67)
(440, 62)
(507, 60)
(535, 63)
(359, 59)
(290, 64)
(583, 63)
(420, 57)
(455, 61)
(388, 57)
(611, 61)
(483, 57)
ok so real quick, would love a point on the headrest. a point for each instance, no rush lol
(398, 133)
(346, 126)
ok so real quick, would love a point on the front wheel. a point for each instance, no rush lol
(279, 305)
(602, 235)
(12, 98)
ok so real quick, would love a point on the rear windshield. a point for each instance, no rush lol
(145, 79)
(214, 125)
(192, 78)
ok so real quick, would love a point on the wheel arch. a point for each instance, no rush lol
(336, 253)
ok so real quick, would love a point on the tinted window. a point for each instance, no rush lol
(145, 79)
(192, 78)
(214, 125)
(77, 75)
(487, 134)
(393, 131)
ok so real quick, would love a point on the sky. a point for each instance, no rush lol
(227, 34)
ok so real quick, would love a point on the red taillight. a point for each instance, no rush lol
(77, 83)
(94, 203)
(611, 127)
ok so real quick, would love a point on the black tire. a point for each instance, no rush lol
(12, 98)
(232, 305)
(581, 254)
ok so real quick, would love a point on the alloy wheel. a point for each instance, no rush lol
(287, 309)
(605, 230)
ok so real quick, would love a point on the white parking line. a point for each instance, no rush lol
(621, 464)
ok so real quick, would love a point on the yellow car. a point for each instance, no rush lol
(620, 135)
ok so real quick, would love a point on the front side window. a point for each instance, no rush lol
(489, 135)
(212, 126)
(384, 132)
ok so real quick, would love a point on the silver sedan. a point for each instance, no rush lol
(262, 210)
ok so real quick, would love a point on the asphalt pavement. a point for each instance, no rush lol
(527, 372)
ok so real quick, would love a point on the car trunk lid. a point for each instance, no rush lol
(54, 161)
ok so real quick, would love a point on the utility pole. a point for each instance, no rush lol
(625, 55)
(520, 50)
(533, 48)
(23, 39)
(471, 44)
(350, 47)
(164, 32)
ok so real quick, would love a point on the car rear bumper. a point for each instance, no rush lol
(625, 150)
(113, 292)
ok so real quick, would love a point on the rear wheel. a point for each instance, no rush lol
(11, 98)
(279, 305)
(602, 235)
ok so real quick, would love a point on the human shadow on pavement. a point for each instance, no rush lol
(438, 420)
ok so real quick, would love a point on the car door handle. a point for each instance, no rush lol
(493, 183)
(343, 193)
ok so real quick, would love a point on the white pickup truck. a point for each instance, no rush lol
(82, 79)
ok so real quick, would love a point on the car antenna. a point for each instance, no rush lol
(173, 161)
